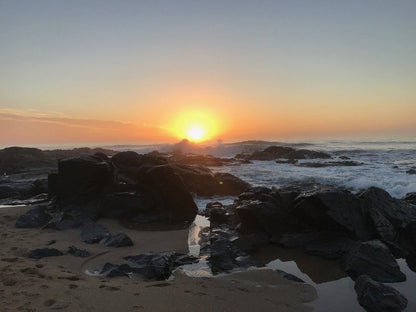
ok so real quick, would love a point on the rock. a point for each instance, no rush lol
(123, 206)
(376, 297)
(411, 171)
(203, 182)
(333, 210)
(83, 177)
(76, 252)
(71, 219)
(410, 198)
(44, 252)
(153, 266)
(277, 152)
(344, 157)
(227, 184)
(392, 219)
(374, 259)
(411, 261)
(166, 192)
(93, 233)
(289, 276)
(34, 218)
(128, 159)
(333, 246)
(330, 164)
(117, 240)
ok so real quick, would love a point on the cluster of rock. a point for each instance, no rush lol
(364, 232)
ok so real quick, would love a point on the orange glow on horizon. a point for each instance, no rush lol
(195, 125)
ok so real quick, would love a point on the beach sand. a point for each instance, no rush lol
(58, 283)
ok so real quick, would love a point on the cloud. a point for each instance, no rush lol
(31, 126)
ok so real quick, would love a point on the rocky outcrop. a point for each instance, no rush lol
(329, 164)
(392, 219)
(376, 297)
(277, 152)
(374, 259)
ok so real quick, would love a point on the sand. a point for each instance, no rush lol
(58, 283)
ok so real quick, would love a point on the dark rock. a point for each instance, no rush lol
(344, 157)
(333, 246)
(71, 219)
(125, 160)
(76, 252)
(34, 218)
(374, 259)
(122, 206)
(44, 252)
(411, 171)
(115, 270)
(376, 297)
(93, 233)
(411, 261)
(84, 177)
(292, 240)
(333, 210)
(410, 198)
(289, 276)
(162, 187)
(286, 161)
(117, 240)
(153, 266)
(392, 219)
(51, 242)
(227, 184)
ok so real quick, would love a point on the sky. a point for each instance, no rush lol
(148, 71)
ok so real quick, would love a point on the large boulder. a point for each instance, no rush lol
(84, 177)
(162, 187)
(228, 184)
(376, 297)
(392, 219)
(333, 210)
(374, 259)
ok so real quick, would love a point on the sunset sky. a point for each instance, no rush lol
(149, 71)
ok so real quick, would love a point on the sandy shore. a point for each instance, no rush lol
(58, 283)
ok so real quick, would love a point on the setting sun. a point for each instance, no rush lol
(195, 133)
(195, 125)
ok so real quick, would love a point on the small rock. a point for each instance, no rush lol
(78, 252)
(44, 252)
(33, 218)
(93, 233)
(117, 240)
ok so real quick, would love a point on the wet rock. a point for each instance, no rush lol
(228, 184)
(411, 261)
(117, 240)
(374, 259)
(392, 219)
(76, 252)
(411, 171)
(376, 297)
(333, 210)
(93, 233)
(154, 266)
(410, 198)
(333, 246)
(44, 252)
(289, 276)
(286, 161)
(34, 218)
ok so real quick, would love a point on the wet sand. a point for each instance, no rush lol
(58, 283)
